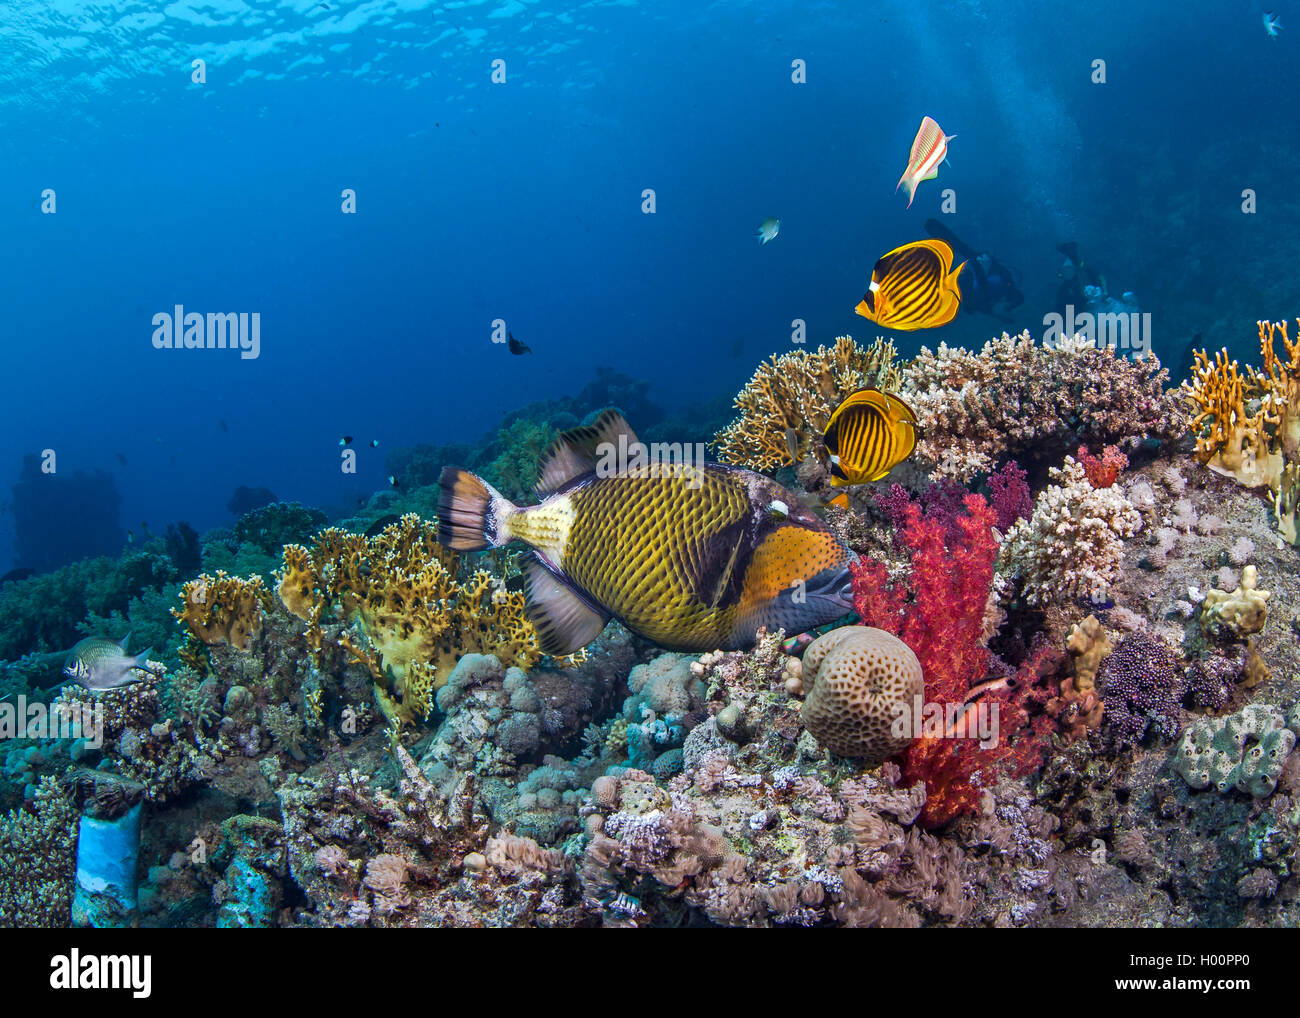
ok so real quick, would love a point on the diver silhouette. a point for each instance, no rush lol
(987, 285)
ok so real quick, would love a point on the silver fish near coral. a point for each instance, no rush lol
(99, 663)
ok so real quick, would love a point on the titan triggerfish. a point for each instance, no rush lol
(691, 556)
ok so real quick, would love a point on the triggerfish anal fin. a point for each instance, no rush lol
(928, 150)
(576, 451)
(564, 618)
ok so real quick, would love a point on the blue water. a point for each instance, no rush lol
(522, 201)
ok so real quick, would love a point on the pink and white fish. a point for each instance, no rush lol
(928, 150)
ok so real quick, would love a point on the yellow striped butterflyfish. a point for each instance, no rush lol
(913, 287)
(868, 435)
(691, 556)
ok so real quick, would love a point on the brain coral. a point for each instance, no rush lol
(1245, 750)
(857, 677)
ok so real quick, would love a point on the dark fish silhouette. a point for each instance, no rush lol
(121, 459)
(517, 347)
(14, 575)
(345, 440)
(381, 523)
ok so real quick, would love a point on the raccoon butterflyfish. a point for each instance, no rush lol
(913, 287)
(691, 556)
(868, 435)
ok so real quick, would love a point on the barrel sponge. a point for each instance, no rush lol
(1245, 750)
(858, 679)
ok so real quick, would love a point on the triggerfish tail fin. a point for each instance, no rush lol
(564, 618)
(471, 513)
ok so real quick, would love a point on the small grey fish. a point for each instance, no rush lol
(99, 663)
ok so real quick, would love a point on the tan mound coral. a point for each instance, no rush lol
(859, 680)
(797, 392)
(1238, 613)
(414, 614)
(221, 609)
(1248, 427)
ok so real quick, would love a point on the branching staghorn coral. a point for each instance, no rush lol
(1015, 395)
(414, 616)
(798, 391)
(1072, 546)
(1249, 427)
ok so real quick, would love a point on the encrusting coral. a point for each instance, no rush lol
(1245, 751)
(798, 392)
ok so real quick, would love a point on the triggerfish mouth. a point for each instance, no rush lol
(690, 556)
(929, 149)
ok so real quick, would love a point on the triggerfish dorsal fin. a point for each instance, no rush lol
(565, 620)
(576, 451)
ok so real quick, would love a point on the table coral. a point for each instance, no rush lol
(1015, 396)
(414, 614)
(798, 391)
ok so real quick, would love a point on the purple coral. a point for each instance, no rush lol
(943, 501)
(1009, 495)
(1142, 687)
(1213, 678)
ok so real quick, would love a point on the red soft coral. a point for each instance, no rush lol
(1103, 472)
(939, 613)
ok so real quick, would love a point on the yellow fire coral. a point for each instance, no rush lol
(797, 392)
(414, 617)
(222, 609)
(1248, 427)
